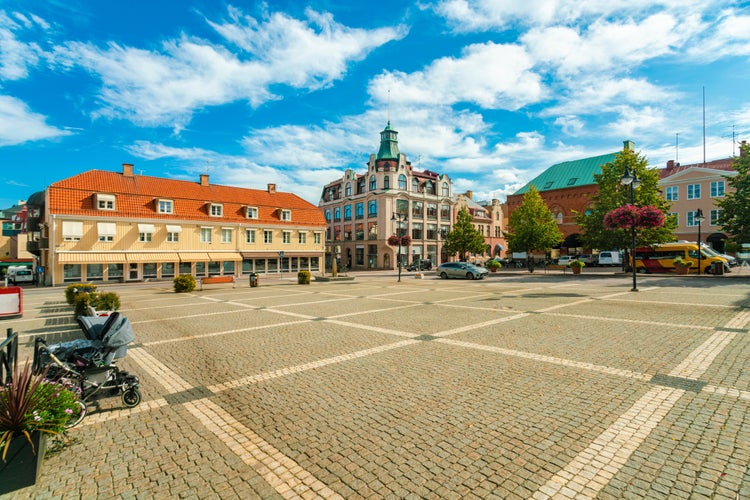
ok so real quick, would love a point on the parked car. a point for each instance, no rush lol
(461, 270)
(423, 265)
(586, 258)
(609, 258)
(18, 275)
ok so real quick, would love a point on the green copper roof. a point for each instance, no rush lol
(388, 144)
(568, 174)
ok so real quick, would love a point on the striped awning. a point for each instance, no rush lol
(194, 257)
(91, 258)
(219, 256)
(153, 257)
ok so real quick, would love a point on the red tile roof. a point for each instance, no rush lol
(136, 195)
(671, 169)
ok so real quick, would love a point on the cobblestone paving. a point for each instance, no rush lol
(517, 386)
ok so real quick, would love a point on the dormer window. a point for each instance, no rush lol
(251, 212)
(286, 215)
(105, 201)
(165, 206)
(216, 210)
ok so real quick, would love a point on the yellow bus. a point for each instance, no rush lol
(660, 258)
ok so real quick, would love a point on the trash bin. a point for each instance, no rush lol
(717, 268)
(254, 280)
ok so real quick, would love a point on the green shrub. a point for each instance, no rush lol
(108, 301)
(75, 288)
(303, 277)
(184, 283)
(81, 302)
(492, 264)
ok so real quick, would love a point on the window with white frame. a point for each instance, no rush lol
(717, 189)
(107, 231)
(691, 222)
(145, 232)
(173, 233)
(251, 212)
(286, 215)
(267, 236)
(672, 193)
(72, 230)
(316, 238)
(249, 235)
(226, 234)
(286, 237)
(693, 191)
(205, 235)
(714, 217)
(105, 201)
(216, 210)
(165, 206)
(302, 238)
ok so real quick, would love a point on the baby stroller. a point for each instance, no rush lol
(89, 363)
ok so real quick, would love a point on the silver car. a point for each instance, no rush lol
(461, 270)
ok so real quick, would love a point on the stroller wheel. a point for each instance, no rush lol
(131, 397)
(77, 416)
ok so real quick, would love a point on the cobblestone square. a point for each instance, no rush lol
(516, 386)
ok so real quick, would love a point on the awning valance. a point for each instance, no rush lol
(194, 257)
(91, 258)
(219, 256)
(146, 228)
(106, 228)
(153, 257)
(72, 229)
(174, 229)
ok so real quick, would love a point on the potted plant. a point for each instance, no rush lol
(682, 266)
(493, 265)
(576, 265)
(303, 277)
(31, 408)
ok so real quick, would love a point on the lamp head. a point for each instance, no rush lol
(626, 178)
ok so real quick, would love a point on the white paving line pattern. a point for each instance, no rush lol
(583, 477)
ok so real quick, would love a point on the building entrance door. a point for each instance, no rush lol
(133, 273)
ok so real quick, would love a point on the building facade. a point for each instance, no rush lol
(567, 188)
(109, 226)
(693, 187)
(489, 220)
(359, 209)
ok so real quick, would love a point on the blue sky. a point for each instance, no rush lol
(292, 92)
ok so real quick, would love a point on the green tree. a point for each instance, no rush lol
(734, 216)
(464, 238)
(613, 193)
(532, 227)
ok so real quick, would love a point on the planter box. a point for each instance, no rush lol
(23, 462)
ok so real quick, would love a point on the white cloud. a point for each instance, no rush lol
(167, 87)
(17, 56)
(570, 125)
(18, 124)
(507, 80)
(615, 45)
(729, 36)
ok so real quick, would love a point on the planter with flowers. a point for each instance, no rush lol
(31, 409)
(576, 266)
(493, 265)
(682, 266)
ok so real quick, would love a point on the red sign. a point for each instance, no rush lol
(11, 301)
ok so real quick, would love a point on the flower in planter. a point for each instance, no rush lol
(405, 240)
(32, 403)
(576, 263)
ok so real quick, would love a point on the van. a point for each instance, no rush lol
(609, 258)
(19, 274)
(660, 258)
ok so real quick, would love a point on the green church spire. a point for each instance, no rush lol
(388, 144)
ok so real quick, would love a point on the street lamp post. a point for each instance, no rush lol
(699, 218)
(398, 219)
(633, 182)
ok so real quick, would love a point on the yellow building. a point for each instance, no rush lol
(110, 226)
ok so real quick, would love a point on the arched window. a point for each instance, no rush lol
(402, 182)
(337, 214)
(328, 215)
(429, 187)
(373, 183)
(559, 217)
(446, 191)
(348, 191)
(415, 185)
(361, 185)
(387, 182)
